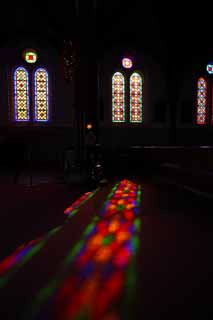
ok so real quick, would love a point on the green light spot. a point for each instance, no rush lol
(73, 212)
(89, 228)
(55, 230)
(96, 218)
(137, 224)
(108, 239)
(73, 252)
(3, 282)
(135, 243)
(120, 207)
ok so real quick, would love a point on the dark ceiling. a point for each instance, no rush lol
(173, 31)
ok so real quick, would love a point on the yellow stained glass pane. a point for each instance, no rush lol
(41, 112)
(21, 94)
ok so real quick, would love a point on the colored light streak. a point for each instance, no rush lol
(10, 265)
(94, 274)
(73, 209)
(11, 260)
(20, 255)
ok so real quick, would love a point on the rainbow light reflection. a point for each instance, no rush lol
(98, 271)
(70, 211)
(12, 263)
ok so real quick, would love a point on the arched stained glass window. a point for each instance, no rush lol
(21, 95)
(118, 97)
(41, 98)
(201, 101)
(135, 97)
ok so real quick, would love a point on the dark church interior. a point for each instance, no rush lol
(106, 130)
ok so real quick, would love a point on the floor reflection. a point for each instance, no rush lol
(12, 263)
(98, 276)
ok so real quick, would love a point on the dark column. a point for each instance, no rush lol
(173, 85)
(85, 73)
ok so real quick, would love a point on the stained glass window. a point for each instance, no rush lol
(118, 97)
(135, 98)
(209, 68)
(21, 94)
(41, 111)
(30, 56)
(127, 63)
(201, 101)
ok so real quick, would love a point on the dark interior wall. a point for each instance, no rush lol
(154, 92)
(123, 137)
(188, 132)
(48, 139)
(49, 57)
(186, 104)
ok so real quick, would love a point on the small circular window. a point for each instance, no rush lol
(127, 63)
(209, 68)
(30, 56)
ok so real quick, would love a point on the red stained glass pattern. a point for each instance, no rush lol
(41, 95)
(201, 101)
(79, 202)
(21, 94)
(135, 98)
(118, 97)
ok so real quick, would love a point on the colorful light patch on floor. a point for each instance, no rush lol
(125, 199)
(11, 264)
(70, 211)
(98, 271)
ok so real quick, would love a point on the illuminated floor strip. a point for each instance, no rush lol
(11, 264)
(73, 209)
(100, 266)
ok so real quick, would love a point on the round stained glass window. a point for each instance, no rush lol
(127, 63)
(30, 56)
(209, 68)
